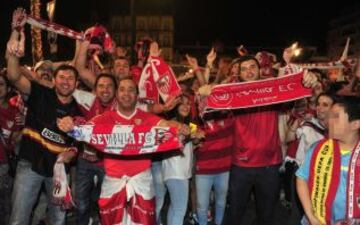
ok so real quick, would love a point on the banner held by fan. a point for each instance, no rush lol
(253, 94)
(165, 79)
(127, 140)
(157, 78)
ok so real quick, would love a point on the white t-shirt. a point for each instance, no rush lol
(307, 136)
(180, 165)
(84, 98)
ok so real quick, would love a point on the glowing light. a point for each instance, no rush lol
(294, 46)
(297, 52)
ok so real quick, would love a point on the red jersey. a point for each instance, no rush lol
(118, 166)
(90, 105)
(136, 73)
(214, 155)
(7, 126)
(256, 139)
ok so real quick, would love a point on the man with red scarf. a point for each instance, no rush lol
(127, 194)
(257, 152)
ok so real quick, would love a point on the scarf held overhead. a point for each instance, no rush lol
(253, 94)
(157, 78)
(127, 139)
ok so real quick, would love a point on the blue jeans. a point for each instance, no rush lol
(179, 195)
(27, 185)
(266, 183)
(40, 208)
(159, 186)
(84, 187)
(6, 182)
(204, 183)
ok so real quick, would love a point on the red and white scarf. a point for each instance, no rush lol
(347, 63)
(128, 139)
(157, 78)
(353, 188)
(53, 27)
(61, 190)
(128, 200)
(255, 93)
(324, 180)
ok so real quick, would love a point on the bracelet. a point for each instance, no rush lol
(208, 66)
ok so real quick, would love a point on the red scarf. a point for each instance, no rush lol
(127, 139)
(325, 170)
(157, 78)
(324, 177)
(255, 93)
(61, 191)
(353, 187)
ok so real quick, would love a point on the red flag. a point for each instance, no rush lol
(165, 79)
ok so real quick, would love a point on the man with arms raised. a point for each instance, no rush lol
(42, 144)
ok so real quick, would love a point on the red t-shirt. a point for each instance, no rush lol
(90, 106)
(96, 109)
(118, 166)
(136, 73)
(214, 155)
(256, 139)
(7, 125)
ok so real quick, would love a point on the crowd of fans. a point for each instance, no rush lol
(227, 156)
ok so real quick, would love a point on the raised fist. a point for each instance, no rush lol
(19, 19)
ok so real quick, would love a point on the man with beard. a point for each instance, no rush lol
(257, 152)
(42, 144)
(90, 163)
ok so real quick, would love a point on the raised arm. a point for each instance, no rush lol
(15, 50)
(197, 70)
(210, 58)
(86, 75)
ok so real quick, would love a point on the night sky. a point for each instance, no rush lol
(253, 23)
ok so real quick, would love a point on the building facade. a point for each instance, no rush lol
(156, 27)
(347, 24)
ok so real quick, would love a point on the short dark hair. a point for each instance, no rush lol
(106, 75)
(351, 106)
(247, 58)
(330, 95)
(121, 58)
(131, 79)
(66, 67)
